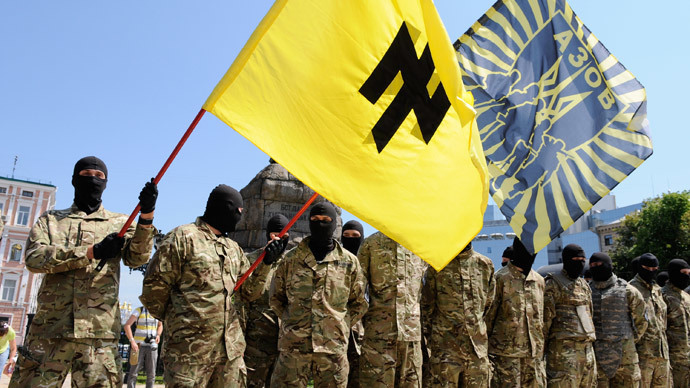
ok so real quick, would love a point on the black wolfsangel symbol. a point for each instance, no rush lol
(401, 57)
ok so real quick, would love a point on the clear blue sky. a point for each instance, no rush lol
(122, 80)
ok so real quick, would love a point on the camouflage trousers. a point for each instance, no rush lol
(681, 374)
(450, 371)
(626, 376)
(526, 372)
(570, 364)
(353, 354)
(45, 363)
(656, 372)
(260, 363)
(210, 369)
(391, 364)
(294, 369)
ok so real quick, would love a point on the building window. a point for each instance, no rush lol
(23, 215)
(16, 253)
(5, 319)
(3, 190)
(8, 288)
(488, 250)
(26, 193)
(608, 239)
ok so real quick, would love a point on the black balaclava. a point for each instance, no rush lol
(352, 243)
(321, 241)
(676, 277)
(275, 225)
(88, 189)
(573, 267)
(662, 278)
(635, 266)
(521, 257)
(507, 253)
(223, 209)
(648, 260)
(601, 272)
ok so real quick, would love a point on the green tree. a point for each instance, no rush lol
(661, 227)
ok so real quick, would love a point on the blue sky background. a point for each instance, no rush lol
(123, 80)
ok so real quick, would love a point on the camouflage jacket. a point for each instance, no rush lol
(189, 284)
(678, 322)
(394, 278)
(455, 302)
(568, 308)
(515, 321)
(653, 343)
(74, 300)
(317, 303)
(262, 322)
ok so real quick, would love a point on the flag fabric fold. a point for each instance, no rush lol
(562, 122)
(363, 101)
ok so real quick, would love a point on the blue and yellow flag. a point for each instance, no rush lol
(362, 100)
(562, 122)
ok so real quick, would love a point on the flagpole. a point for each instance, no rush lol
(157, 179)
(280, 235)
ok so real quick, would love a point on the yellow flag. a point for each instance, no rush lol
(362, 101)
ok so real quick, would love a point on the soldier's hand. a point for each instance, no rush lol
(148, 196)
(274, 249)
(109, 247)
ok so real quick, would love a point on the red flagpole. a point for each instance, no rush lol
(157, 178)
(280, 235)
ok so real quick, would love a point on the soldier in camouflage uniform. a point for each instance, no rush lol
(351, 237)
(568, 326)
(678, 321)
(391, 351)
(261, 332)
(652, 348)
(619, 322)
(318, 293)
(455, 302)
(77, 322)
(188, 285)
(515, 323)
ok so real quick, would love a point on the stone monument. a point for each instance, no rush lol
(274, 191)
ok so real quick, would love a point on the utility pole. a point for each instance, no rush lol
(16, 157)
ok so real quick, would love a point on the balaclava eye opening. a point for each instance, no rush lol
(601, 272)
(88, 189)
(573, 267)
(321, 241)
(352, 243)
(223, 209)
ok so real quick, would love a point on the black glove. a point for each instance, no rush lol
(109, 247)
(274, 249)
(148, 196)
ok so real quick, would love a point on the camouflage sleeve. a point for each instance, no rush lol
(428, 300)
(138, 246)
(42, 256)
(277, 297)
(253, 287)
(357, 304)
(490, 290)
(364, 257)
(490, 316)
(637, 308)
(162, 274)
(549, 306)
